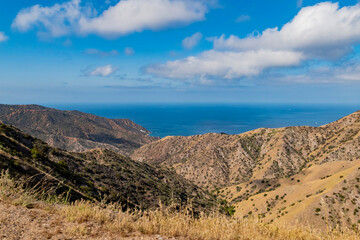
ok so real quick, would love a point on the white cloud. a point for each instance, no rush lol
(103, 71)
(192, 41)
(129, 51)
(137, 15)
(100, 53)
(58, 20)
(3, 37)
(126, 17)
(349, 71)
(320, 31)
(323, 31)
(242, 18)
(226, 65)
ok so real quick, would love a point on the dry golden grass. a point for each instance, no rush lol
(302, 197)
(13, 192)
(179, 224)
(166, 222)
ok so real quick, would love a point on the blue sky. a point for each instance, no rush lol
(142, 51)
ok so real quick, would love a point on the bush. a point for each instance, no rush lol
(36, 154)
(63, 164)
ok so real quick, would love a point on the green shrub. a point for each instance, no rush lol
(36, 154)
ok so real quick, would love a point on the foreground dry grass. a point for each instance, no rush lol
(85, 220)
(180, 224)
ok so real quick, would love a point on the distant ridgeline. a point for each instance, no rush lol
(76, 131)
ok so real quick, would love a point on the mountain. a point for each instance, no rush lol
(76, 131)
(306, 174)
(100, 175)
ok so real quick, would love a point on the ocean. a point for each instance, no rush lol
(192, 119)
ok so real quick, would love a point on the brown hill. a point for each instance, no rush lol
(288, 161)
(216, 160)
(322, 196)
(97, 174)
(76, 131)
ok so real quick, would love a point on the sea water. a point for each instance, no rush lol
(192, 119)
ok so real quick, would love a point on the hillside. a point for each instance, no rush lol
(99, 175)
(322, 196)
(24, 216)
(76, 131)
(265, 171)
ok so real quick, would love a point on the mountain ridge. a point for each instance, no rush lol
(98, 174)
(295, 145)
(76, 131)
(261, 171)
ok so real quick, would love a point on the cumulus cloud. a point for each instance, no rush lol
(226, 65)
(137, 15)
(125, 17)
(319, 31)
(129, 51)
(100, 53)
(192, 41)
(57, 20)
(3, 37)
(104, 71)
(323, 31)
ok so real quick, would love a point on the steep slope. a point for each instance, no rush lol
(76, 131)
(97, 174)
(321, 196)
(295, 174)
(217, 160)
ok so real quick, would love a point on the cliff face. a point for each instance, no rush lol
(97, 174)
(76, 131)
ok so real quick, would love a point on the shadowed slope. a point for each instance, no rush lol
(96, 174)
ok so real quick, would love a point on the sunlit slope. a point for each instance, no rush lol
(218, 160)
(293, 174)
(320, 196)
